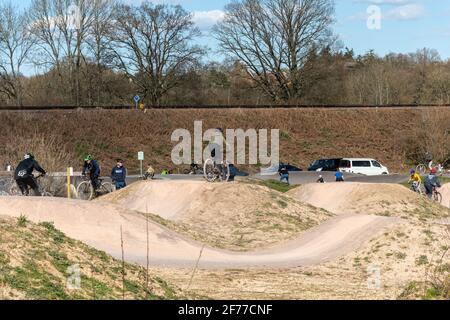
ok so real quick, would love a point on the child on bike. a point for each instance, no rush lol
(416, 181)
(150, 173)
(431, 183)
(119, 175)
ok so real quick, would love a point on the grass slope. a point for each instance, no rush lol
(34, 262)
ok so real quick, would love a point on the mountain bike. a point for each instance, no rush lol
(214, 171)
(14, 190)
(85, 190)
(194, 170)
(422, 169)
(437, 196)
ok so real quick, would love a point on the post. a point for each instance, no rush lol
(69, 191)
(142, 170)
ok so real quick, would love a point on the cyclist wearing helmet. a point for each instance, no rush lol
(431, 183)
(24, 175)
(416, 181)
(92, 168)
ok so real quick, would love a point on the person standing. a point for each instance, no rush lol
(339, 177)
(119, 175)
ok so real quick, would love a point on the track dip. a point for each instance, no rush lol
(98, 225)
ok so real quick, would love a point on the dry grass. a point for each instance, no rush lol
(305, 134)
(34, 261)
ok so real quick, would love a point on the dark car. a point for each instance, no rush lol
(325, 165)
(236, 172)
(290, 167)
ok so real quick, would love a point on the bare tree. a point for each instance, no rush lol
(15, 45)
(98, 45)
(153, 47)
(273, 38)
(60, 28)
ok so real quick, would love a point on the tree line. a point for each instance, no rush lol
(103, 52)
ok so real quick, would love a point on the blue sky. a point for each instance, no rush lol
(406, 25)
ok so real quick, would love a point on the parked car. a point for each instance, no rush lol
(325, 165)
(236, 172)
(368, 167)
(275, 168)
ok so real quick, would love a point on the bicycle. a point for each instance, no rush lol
(437, 196)
(14, 190)
(85, 190)
(213, 171)
(194, 170)
(423, 169)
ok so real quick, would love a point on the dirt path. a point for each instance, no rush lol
(98, 225)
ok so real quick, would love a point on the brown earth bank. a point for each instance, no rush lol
(61, 138)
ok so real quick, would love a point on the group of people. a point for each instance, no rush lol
(23, 174)
(431, 182)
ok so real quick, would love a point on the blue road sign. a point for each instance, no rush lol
(137, 99)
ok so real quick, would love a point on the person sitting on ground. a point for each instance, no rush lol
(92, 168)
(150, 173)
(321, 179)
(416, 181)
(284, 174)
(119, 175)
(431, 183)
(24, 175)
(339, 176)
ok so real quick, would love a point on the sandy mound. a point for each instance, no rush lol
(445, 191)
(99, 225)
(236, 216)
(362, 198)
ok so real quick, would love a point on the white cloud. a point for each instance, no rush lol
(406, 12)
(206, 19)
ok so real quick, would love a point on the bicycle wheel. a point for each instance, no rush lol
(209, 171)
(14, 190)
(422, 169)
(225, 174)
(47, 194)
(106, 188)
(85, 191)
(437, 197)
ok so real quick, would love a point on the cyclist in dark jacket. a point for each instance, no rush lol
(24, 175)
(119, 175)
(431, 182)
(92, 168)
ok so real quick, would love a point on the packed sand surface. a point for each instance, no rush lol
(98, 224)
(235, 216)
(445, 191)
(362, 198)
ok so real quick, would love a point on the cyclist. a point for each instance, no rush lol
(431, 183)
(150, 173)
(416, 181)
(24, 175)
(119, 175)
(321, 179)
(284, 174)
(92, 168)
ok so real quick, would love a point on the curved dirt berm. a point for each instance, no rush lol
(445, 191)
(98, 225)
(236, 216)
(360, 198)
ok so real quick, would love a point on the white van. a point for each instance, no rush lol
(368, 167)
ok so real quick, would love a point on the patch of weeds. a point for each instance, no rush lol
(53, 233)
(400, 255)
(422, 260)
(22, 221)
(278, 186)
